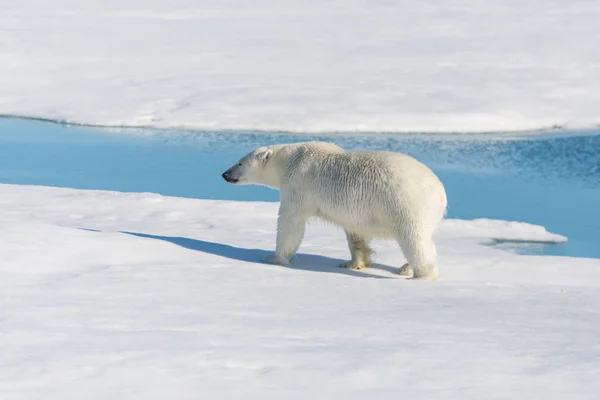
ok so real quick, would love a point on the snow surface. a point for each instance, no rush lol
(343, 65)
(141, 296)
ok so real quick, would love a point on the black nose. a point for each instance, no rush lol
(228, 178)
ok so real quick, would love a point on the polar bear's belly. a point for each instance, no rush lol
(364, 223)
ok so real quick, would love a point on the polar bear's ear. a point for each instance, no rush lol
(267, 154)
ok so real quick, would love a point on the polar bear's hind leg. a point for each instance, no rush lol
(420, 253)
(360, 252)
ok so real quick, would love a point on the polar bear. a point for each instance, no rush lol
(374, 194)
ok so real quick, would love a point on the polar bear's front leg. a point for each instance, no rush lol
(290, 231)
(360, 252)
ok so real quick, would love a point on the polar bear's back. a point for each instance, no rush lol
(365, 188)
(367, 174)
(327, 164)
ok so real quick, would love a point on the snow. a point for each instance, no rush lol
(137, 295)
(304, 66)
(502, 230)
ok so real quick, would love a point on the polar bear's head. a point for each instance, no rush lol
(255, 168)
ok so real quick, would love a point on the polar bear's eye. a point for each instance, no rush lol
(239, 164)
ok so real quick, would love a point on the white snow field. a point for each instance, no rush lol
(310, 65)
(139, 296)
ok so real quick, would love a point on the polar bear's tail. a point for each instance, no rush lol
(444, 201)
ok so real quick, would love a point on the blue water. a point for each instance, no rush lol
(552, 181)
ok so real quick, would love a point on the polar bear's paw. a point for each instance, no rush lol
(354, 265)
(405, 270)
(276, 260)
(423, 278)
(430, 274)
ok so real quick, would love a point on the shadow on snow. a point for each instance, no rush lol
(306, 262)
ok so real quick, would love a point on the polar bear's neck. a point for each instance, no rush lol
(273, 172)
(277, 166)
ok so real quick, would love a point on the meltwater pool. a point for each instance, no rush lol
(550, 179)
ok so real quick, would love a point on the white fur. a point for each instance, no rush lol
(369, 194)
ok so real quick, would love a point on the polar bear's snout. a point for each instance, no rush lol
(227, 176)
